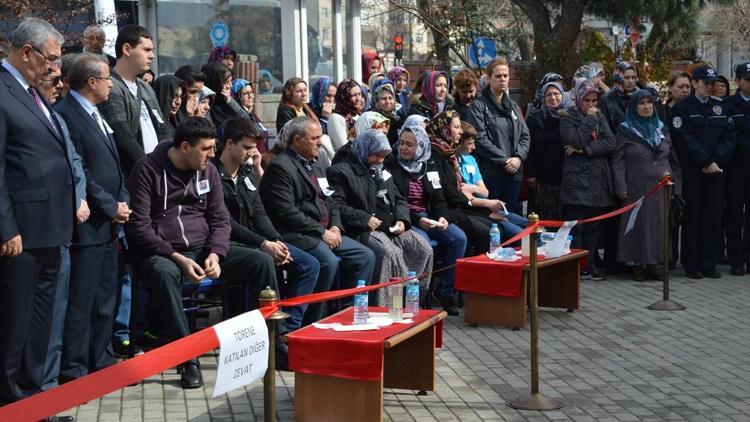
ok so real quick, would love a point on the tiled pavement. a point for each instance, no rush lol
(613, 360)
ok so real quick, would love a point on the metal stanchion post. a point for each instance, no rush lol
(269, 297)
(535, 400)
(665, 304)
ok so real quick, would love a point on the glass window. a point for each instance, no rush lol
(254, 29)
(320, 38)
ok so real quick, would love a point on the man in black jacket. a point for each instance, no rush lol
(93, 281)
(738, 176)
(250, 223)
(297, 201)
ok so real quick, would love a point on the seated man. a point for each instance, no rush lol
(296, 200)
(180, 229)
(250, 223)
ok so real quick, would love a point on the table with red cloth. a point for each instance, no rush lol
(496, 292)
(340, 375)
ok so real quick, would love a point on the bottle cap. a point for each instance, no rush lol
(360, 283)
(412, 273)
(494, 225)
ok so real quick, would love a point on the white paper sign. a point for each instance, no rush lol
(633, 215)
(244, 351)
(555, 248)
(324, 187)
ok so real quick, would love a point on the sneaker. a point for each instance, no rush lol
(149, 340)
(122, 349)
(448, 302)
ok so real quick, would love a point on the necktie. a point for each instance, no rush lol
(99, 122)
(42, 108)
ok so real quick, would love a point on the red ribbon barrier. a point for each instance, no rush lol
(128, 372)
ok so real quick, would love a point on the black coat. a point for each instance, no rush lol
(433, 199)
(37, 197)
(105, 183)
(355, 194)
(546, 154)
(250, 223)
(702, 133)
(739, 111)
(290, 200)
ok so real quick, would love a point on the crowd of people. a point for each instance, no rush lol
(109, 175)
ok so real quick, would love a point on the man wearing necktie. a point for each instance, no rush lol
(93, 280)
(37, 208)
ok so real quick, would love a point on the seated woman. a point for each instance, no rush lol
(206, 99)
(473, 187)
(587, 188)
(323, 100)
(375, 213)
(219, 80)
(168, 90)
(293, 102)
(368, 120)
(445, 134)
(644, 152)
(417, 179)
(399, 77)
(349, 105)
(244, 93)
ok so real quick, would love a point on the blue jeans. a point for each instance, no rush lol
(303, 274)
(505, 189)
(358, 263)
(121, 324)
(54, 351)
(452, 243)
(514, 225)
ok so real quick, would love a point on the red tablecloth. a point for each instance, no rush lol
(351, 354)
(479, 274)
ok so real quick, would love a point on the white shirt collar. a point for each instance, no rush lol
(86, 104)
(16, 74)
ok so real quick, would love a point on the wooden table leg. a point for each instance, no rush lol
(319, 398)
(410, 365)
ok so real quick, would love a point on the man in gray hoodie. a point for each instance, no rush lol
(180, 230)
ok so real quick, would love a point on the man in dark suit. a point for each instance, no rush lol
(93, 281)
(37, 207)
(296, 200)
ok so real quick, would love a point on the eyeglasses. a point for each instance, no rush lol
(102, 79)
(53, 61)
(552, 94)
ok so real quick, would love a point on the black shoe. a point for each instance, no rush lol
(59, 419)
(595, 276)
(282, 356)
(190, 374)
(448, 302)
(695, 275)
(122, 349)
(737, 270)
(711, 274)
(638, 273)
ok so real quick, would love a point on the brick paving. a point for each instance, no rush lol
(613, 360)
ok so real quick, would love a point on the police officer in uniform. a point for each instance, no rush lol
(705, 138)
(738, 175)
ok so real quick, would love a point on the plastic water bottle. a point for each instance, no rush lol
(396, 302)
(566, 248)
(494, 238)
(360, 305)
(412, 296)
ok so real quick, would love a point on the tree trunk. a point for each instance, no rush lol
(442, 46)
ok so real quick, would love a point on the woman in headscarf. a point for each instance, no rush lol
(586, 188)
(349, 105)
(375, 213)
(546, 155)
(644, 152)
(445, 131)
(399, 77)
(206, 101)
(416, 176)
(293, 102)
(168, 90)
(384, 102)
(593, 71)
(323, 100)
(219, 80)
(224, 55)
(435, 97)
(265, 82)
(371, 63)
(366, 121)
(244, 93)
(538, 101)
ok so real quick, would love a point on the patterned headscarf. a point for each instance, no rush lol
(395, 73)
(563, 100)
(414, 120)
(538, 102)
(648, 130)
(373, 79)
(344, 104)
(415, 165)
(380, 86)
(369, 142)
(319, 92)
(367, 120)
(439, 130)
(588, 71)
(583, 88)
(428, 89)
(237, 86)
